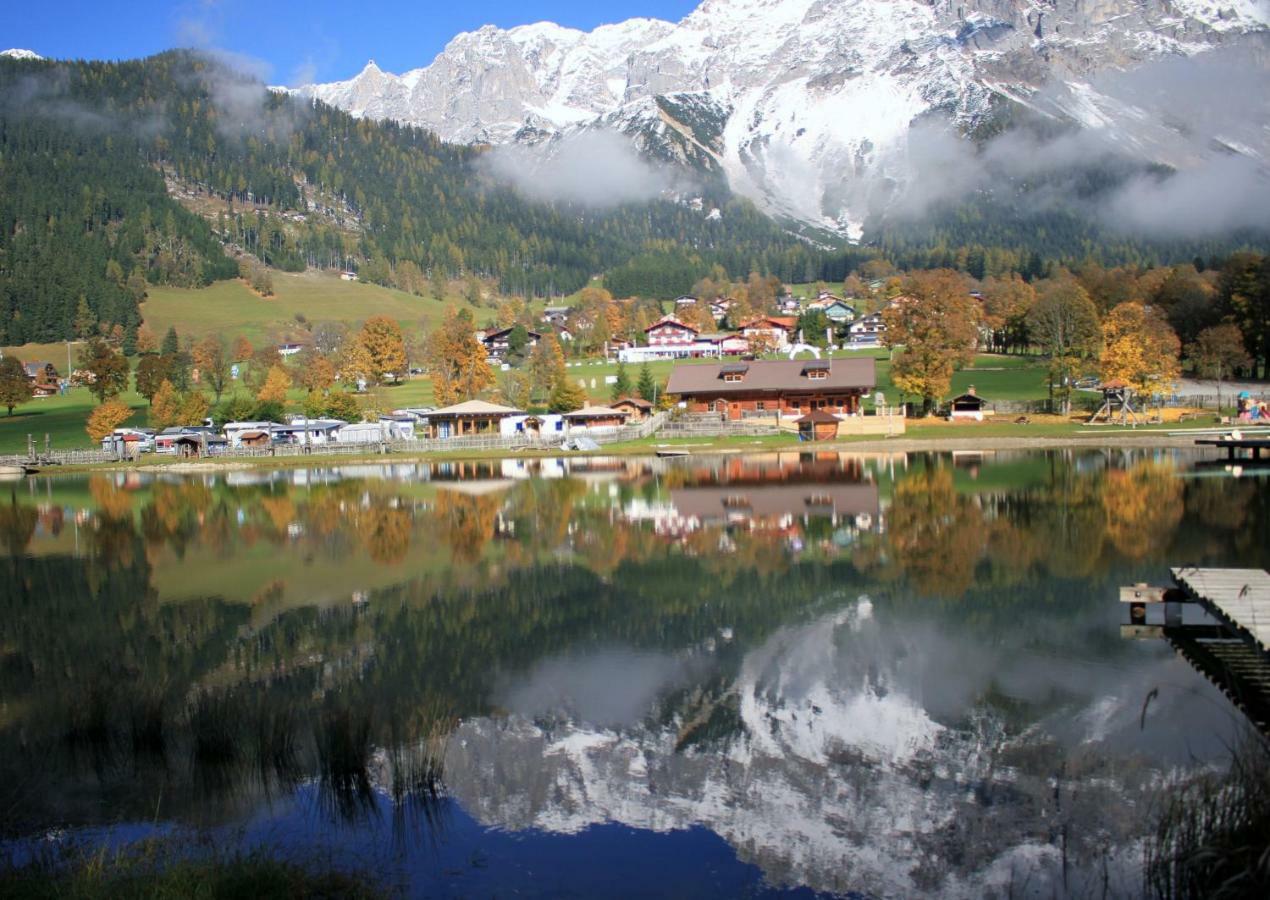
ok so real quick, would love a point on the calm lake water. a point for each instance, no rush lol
(880, 675)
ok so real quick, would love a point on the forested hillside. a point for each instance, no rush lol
(85, 148)
(161, 171)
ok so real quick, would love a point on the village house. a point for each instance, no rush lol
(720, 307)
(781, 387)
(289, 349)
(779, 331)
(348, 275)
(681, 302)
(41, 372)
(636, 408)
(469, 418)
(498, 343)
(595, 417)
(670, 332)
(836, 309)
(556, 315)
(867, 331)
(789, 305)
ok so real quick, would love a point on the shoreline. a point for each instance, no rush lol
(706, 447)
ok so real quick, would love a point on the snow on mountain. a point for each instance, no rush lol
(16, 53)
(847, 754)
(805, 105)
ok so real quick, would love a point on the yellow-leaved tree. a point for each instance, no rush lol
(385, 348)
(457, 360)
(1139, 349)
(935, 326)
(165, 406)
(274, 390)
(106, 418)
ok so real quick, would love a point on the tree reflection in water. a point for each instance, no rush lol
(210, 645)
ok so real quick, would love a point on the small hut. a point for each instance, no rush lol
(595, 417)
(636, 408)
(817, 425)
(967, 406)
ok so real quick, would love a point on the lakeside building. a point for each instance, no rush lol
(792, 387)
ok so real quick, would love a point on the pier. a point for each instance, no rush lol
(1219, 621)
(1231, 443)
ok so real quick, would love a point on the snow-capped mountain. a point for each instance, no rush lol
(805, 105)
(18, 53)
(845, 756)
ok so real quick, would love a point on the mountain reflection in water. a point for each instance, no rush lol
(880, 674)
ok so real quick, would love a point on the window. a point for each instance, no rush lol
(817, 374)
(760, 405)
(733, 376)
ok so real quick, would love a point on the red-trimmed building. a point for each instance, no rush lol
(670, 332)
(779, 330)
(788, 387)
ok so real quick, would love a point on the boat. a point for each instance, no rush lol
(8, 473)
(668, 454)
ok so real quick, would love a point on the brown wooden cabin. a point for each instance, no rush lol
(817, 425)
(793, 387)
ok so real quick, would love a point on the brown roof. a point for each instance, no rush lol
(595, 412)
(637, 402)
(785, 322)
(773, 375)
(818, 415)
(670, 320)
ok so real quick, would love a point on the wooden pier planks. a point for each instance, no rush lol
(1240, 596)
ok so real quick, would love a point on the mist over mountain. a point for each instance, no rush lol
(833, 112)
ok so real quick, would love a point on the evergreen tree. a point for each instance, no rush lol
(622, 386)
(647, 387)
(171, 342)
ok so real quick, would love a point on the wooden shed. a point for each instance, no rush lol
(967, 406)
(817, 425)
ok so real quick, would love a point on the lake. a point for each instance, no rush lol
(886, 675)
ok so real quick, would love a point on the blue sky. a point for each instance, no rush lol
(293, 40)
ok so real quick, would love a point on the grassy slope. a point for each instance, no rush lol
(231, 309)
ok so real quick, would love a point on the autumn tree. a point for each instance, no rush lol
(1217, 352)
(194, 408)
(517, 387)
(317, 372)
(275, 387)
(165, 406)
(15, 387)
(1007, 302)
(385, 347)
(107, 369)
(152, 370)
(457, 360)
(1064, 324)
(936, 329)
(146, 341)
(356, 366)
(213, 363)
(546, 365)
(1139, 349)
(242, 350)
(566, 396)
(106, 417)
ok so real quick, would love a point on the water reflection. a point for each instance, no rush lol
(887, 674)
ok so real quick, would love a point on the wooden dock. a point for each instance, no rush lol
(1239, 597)
(1228, 642)
(1253, 444)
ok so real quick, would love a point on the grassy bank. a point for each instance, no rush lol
(155, 869)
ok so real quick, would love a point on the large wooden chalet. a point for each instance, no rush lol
(793, 387)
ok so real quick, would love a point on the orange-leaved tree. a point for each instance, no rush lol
(106, 418)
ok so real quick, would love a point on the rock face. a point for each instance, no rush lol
(796, 101)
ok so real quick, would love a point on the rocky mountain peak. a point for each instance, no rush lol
(806, 106)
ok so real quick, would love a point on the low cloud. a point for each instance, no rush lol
(1204, 121)
(593, 168)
